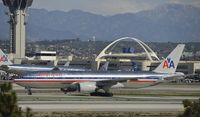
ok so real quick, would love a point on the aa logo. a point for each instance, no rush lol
(3, 58)
(169, 63)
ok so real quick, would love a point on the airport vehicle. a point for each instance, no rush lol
(93, 81)
(9, 67)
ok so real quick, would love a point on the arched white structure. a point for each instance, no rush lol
(148, 51)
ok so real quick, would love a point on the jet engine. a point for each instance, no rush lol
(70, 89)
(87, 86)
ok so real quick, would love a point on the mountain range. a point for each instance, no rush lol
(166, 23)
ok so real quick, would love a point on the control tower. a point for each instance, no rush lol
(17, 14)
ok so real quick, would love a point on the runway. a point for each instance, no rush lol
(102, 106)
(68, 103)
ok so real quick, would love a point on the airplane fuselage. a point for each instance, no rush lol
(58, 79)
(21, 69)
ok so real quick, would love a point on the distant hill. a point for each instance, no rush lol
(169, 22)
(4, 27)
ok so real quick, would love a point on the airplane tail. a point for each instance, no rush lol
(4, 59)
(104, 67)
(170, 64)
(67, 64)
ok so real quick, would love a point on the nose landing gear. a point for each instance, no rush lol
(29, 92)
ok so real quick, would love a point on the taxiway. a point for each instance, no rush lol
(104, 106)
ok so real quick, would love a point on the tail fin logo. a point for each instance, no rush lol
(3, 58)
(168, 63)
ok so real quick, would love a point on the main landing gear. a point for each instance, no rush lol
(63, 90)
(106, 93)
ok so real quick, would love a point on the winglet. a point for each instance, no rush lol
(4, 59)
(170, 64)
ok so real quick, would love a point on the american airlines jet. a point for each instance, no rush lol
(9, 67)
(101, 80)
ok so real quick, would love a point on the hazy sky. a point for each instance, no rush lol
(106, 7)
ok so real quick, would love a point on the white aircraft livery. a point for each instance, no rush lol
(100, 80)
(9, 67)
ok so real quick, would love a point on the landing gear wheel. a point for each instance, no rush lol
(28, 90)
(101, 94)
(63, 90)
(93, 94)
(109, 94)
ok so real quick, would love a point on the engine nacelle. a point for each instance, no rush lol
(69, 89)
(87, 86)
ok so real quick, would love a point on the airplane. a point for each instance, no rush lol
(94, 81)
(7, 66)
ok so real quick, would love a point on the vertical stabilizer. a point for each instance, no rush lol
(170, 64)
(67, 64)
(104, 67)
(4, 59)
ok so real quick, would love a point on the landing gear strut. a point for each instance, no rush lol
(28, 90)
(64, 90)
